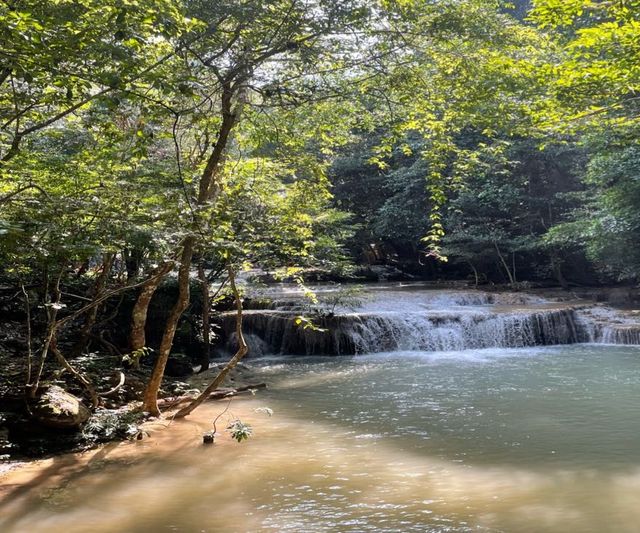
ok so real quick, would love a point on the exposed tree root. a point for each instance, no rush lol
(115, 389)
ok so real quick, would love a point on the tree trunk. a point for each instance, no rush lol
(475, 273)
(504, 264)
(27, 308)
(556, 266)
(150, 400)
(51, 306)
(137, 338)
(92, 315)
(84, 382)
(206, 312)
(208, 190)
(242, 351)
(132, 259)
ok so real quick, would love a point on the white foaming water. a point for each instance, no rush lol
(405, 301)
(460, 331)
(382, 298)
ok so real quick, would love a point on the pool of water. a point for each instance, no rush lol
(531, 439)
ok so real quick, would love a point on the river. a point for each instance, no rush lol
(527, 439)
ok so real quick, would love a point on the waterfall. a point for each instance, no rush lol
(424, 320)
(359, 333)
(609, 326)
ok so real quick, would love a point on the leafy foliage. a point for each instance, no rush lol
(107, 425)
(239, 431)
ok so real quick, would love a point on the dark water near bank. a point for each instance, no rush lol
(530, 439)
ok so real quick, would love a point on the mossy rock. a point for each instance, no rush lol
(56, 408)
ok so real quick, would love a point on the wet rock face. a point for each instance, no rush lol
(56, 408)
(622, 296)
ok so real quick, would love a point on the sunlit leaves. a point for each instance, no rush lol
(597, 76)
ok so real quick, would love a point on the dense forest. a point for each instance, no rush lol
(152, 152)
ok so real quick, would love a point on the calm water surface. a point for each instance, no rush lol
(538, 439)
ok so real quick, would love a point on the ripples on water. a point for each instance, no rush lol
(544, 439)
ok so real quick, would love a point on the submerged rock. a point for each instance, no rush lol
(56, 408)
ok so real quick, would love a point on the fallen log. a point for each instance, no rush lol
(226, 393)
(219, 394)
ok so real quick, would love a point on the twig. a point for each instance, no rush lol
(218, 417)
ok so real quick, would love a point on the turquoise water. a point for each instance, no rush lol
(555, 407)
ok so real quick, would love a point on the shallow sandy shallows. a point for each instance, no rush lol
(297, 474)
(29, 491)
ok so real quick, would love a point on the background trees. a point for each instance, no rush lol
(593, 96)
(519, 131)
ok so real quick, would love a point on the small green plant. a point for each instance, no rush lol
(132, 359)
(307, 323)
(106, 425)
(349, 297)
(239, 430)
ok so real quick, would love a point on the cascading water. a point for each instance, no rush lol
(609, 326)
(422, 320)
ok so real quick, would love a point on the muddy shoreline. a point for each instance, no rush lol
(22, 441)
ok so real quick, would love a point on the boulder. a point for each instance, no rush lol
(56, 408)
(620, 296)
(179, 365)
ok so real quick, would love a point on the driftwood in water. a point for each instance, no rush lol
(226, 393)
(219, 394)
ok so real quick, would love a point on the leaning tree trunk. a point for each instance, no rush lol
(84, 382)
(512, 280)
(51, 305)
(150, 399)
(27, 308)
(50, 344)
(137, 338)
(208, 190)
(475, 273)
(556, 266)
(243, 349)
